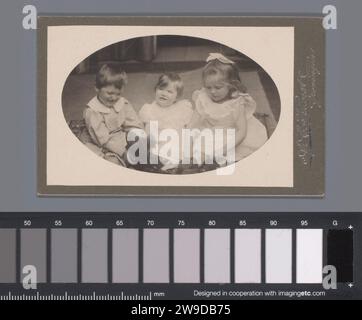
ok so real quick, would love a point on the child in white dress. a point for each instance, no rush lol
(223, 103)
(169, 112)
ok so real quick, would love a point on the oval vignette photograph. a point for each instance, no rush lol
(170, 104)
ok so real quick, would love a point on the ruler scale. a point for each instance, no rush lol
(130, 256)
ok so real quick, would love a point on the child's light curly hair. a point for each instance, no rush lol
(171, 77)
(111, 74)
(228, 70)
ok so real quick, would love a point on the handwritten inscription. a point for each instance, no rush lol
(306, 102)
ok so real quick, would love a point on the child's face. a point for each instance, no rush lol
(217, 88)
(166, 96)
(109, 95)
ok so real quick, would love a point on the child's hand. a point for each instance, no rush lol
(195, 95)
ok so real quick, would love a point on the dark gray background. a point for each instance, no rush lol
(18, 107)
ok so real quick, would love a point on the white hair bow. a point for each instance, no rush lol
(220, 57)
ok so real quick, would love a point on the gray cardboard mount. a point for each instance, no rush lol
(309, 106)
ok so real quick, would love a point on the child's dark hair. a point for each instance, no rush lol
(165, 79)
(111, 74)
(228, 70)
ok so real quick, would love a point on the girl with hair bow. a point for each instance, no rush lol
(223, 103)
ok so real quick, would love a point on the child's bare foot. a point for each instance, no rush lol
(115, 158)
(169, 166)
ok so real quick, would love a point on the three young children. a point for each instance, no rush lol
(222, 103)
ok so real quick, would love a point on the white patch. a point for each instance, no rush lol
(330, 18)
(30, 278)
(29, 21)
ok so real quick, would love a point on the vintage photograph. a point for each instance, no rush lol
(170, 82)
(156, 106)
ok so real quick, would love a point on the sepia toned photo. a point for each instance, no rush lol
(195, 109)
(172, 82)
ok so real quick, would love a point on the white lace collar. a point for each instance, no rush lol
(97, 106)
